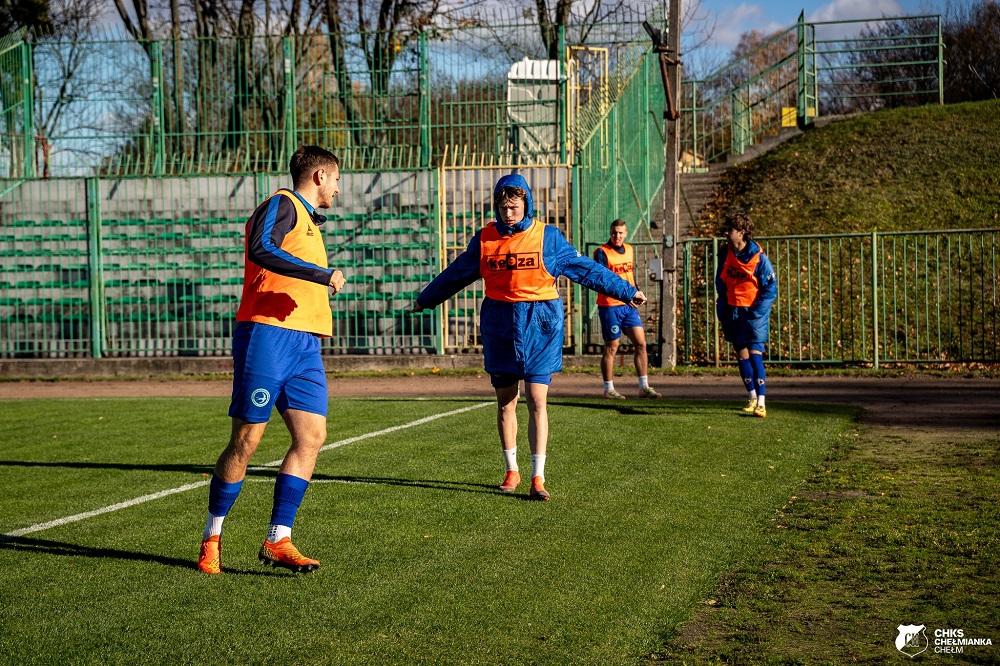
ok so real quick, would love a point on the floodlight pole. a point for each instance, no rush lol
(670, 76)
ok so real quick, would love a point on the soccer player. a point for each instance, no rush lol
(746, 288)
(618, 318)
(521, 319)
(284, 311)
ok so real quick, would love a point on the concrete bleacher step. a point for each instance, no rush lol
(697, 190)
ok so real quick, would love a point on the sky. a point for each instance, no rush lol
(728, 19)
(734, 17)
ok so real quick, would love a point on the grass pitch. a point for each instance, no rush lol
(422, 559)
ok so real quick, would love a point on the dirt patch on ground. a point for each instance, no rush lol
(914, 403)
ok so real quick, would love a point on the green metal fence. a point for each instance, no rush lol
(170, 145)
(644, 252)
(16, 106)
(154, 266)
(861, 298)
(111, 106)
(811, 69)
(94, 280)
(619, 167)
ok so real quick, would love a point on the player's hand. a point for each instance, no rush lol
(638, 299)
(337, 281)
(415, 307)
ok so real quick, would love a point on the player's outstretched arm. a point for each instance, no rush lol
(458, 275)
(561, 258)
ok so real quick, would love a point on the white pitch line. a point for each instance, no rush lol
(201, 484)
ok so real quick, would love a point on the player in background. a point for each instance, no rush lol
(746, 287)
(521, 319)
(619, 318)
(283, 314)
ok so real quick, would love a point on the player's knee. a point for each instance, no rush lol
(316, 435)
(243, 445)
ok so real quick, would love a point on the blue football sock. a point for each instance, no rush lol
(759, 374)
(288, 493)
(746, 374)
(222, 495)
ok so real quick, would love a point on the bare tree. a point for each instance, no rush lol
(972, 42)
(30, 14)
(384, 36)
(65, 80)
(549, 24)
(139, 27)
(338, 55)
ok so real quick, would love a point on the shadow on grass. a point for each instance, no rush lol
(49, 547)
(620, 406)
(265, 473)
(130, 467)
(432, 484)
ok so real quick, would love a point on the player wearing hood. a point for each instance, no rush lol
(521, 319)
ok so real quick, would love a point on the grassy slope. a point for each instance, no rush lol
(931, 167)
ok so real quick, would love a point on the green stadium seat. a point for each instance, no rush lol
(222, 298)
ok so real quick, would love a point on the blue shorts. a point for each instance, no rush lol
(276, 367)
(504, 381)
(616, 318)
(749, 346)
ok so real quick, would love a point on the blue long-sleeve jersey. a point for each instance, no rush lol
(525, 338)
(747, 325)
(269, 224)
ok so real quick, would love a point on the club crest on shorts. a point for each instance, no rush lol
(615, 328)
(260, 397)
(911, 640)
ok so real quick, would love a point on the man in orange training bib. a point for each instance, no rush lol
(283, 314)
(618, 318)
(747, 288)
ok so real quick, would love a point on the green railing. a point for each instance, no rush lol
(16, 107)
(95, 279)
(645, 252)
(119, 264)
(154, 266)
(619, 167)
(108, 106)
(808, 70)
(920, 297)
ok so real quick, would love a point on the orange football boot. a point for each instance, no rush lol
(510, 482)
(283, 554)
(538, 491)
(210, 557)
